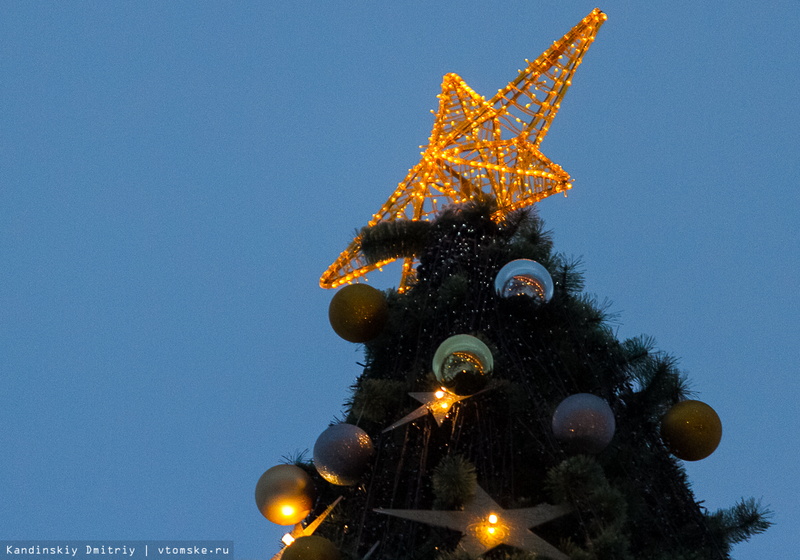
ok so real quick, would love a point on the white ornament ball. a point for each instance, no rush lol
(584, 423)
(342, 454)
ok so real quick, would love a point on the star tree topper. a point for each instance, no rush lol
(485, 525)
(483, 147)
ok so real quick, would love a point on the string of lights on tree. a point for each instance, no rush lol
(495, 406)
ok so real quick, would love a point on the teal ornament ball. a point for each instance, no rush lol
(462, 363)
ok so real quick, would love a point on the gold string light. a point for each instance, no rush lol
(483, 147)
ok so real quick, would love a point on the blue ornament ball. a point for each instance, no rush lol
(584, 423)
(342, 454)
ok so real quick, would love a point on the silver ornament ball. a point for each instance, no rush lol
(524, 277)
(342, 454)
(584, 423)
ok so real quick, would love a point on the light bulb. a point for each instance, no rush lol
(287, 510)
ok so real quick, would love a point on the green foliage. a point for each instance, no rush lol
(501, 553)
(529, 239)
(580, 481)
(373, 399)
(683, 555)
(574, 478)
(566, 273)
(660, 382)
(740, 522)
(609, 544)
(454, 482)
(457, 554)
(394, 239)
(298, 459)
(453, 291)
(638, 348)
(633, 500)
(508, 553)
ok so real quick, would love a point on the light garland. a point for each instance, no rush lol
(480, 147)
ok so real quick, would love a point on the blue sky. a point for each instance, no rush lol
(174, 178)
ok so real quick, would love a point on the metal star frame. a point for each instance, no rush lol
(438, 403)
(483, 147)
(485, 525)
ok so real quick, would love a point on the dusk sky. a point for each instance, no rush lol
(176, 176)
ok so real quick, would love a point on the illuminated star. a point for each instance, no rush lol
(438, 403)
(483, 147)
(300, 531)
(485, 525)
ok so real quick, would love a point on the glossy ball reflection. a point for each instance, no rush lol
(462, 363)
(524, 277)
(285, 494)
(692, 430)
(342, 454)
(584, 423)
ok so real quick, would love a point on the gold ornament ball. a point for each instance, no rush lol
(285, 494)
(311, 547)
(358, 312)
(691, 430)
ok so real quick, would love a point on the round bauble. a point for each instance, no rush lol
(526, 278)
(311, 547)
(462, 363)
(285, 494)
(342, 454)
(691, 430)
(584, 423)
(358, 312)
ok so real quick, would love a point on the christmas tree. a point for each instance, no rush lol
(497, 415)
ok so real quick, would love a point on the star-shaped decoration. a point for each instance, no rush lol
(438, 403)
(480, 147)
(300, 531)
(485, 525)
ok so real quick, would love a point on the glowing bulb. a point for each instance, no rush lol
(492, 519)
(287, 539)
(490, 530)
(287, 510)
(439, 394)
(466, 122)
